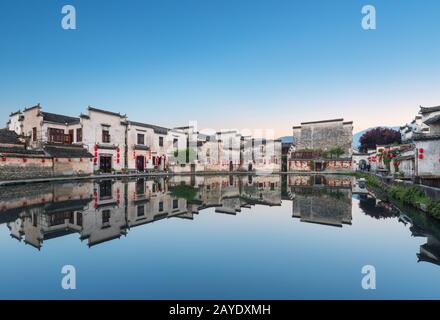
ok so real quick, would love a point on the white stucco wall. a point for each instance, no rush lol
(430, 164)
(92, 135)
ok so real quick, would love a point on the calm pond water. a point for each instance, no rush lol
(213, 237)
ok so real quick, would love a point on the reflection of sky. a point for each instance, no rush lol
(260, 253)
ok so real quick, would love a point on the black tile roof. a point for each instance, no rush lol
(432, 120)
(156, 129)
(58, 118)
(111, 113)
(37, 106)
(20, 151)
(141, 147)
(323, 121)
(67, 151)
(9, 137)
(424, 110)
(425, 137)
(15, 113)
(68, 205)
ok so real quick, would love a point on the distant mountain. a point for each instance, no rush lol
(357, 136)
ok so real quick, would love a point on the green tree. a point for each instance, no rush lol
(186, 155)
(337, 151)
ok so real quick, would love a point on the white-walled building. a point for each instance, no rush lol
(39, 127)
(15, 122)
(146, 147)
(103, 134)
(261, 155)
(116, 144)
(427, 151)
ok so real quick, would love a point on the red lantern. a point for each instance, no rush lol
(421, 150)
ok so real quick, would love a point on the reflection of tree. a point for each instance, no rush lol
(336, 194)
(185, 192)
(375, 210)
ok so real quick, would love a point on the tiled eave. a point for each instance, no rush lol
(107, 147)
(141, 147)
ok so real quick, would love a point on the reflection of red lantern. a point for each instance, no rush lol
(421, 156)
(95, 156)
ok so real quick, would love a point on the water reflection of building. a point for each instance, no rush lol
(430, 251)
(419, 225)
(377, 208)
(321, 199)
(151, 200)
(104, 210)
(104, 218)
(48, 212)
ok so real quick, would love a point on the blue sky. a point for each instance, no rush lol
(266, 64)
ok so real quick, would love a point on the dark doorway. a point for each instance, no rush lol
(140, 187)
(140, 163)
(231, 166)
(105, 164)
(250, 167)
(362, 164)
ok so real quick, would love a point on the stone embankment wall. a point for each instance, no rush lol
(12, 168)
(22, 168)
